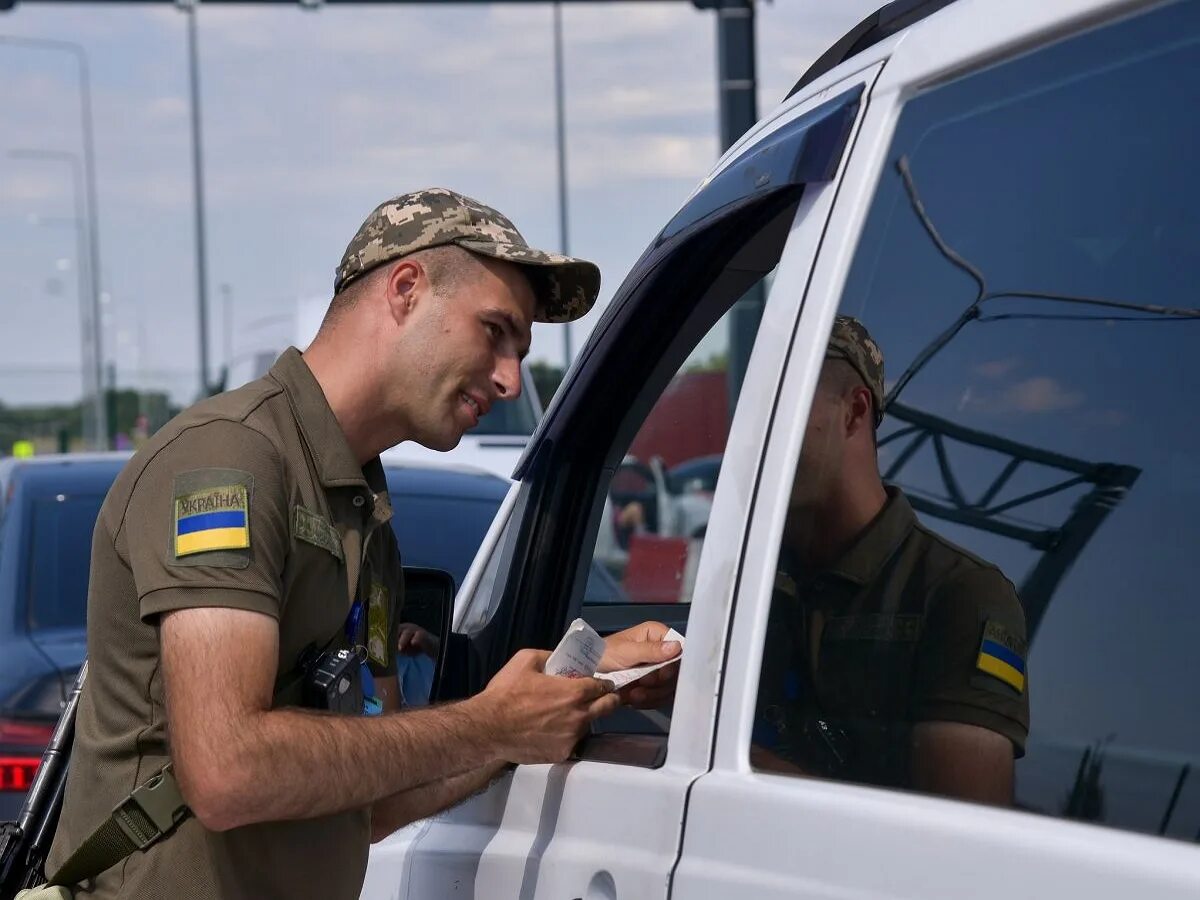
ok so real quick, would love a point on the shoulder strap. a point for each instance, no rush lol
(147, 815)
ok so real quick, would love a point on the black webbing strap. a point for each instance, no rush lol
(153, 810)
(148, 814)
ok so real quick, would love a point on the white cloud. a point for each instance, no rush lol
(620, 103)
(166, 109)
(674, 156)
(1038, 395)
(996, 368)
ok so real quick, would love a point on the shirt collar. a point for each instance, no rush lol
(878, 542)
(335, 462)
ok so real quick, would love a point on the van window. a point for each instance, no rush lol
(653, 524)
(1001, 606)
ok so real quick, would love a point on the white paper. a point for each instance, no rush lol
(622, 677)
(581, 649)
(578, 653)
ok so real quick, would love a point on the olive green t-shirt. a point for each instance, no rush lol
(904, 628)
(249, 500)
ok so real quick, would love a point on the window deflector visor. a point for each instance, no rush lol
(805, 151)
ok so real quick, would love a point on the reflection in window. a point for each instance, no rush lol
(1028, 270)
(893, 657)
(660, 496)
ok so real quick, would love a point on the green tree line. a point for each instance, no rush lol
(59, 427)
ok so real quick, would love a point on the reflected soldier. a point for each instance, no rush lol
(893, 657)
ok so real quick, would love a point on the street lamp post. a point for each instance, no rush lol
(96, 435)
(560, 109)
(189, 9)
(227, 328)
(93, 355)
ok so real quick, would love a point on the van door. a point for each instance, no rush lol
(608, 824)
(1026, 268)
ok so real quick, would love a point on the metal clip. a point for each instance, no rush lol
(159, 801)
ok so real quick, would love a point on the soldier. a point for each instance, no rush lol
(893, 657)
(251, 532)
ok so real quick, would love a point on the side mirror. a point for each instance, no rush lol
(424, 631)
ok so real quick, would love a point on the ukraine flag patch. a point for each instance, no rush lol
(1002, 655)
(216, 518)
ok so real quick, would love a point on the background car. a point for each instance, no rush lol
(667, 508)
(47, 512)
(697, 476)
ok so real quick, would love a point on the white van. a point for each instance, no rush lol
(1006, 194)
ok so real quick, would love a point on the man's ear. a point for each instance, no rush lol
(402, 288)
(859, 411)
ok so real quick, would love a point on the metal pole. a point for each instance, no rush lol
(736, 75)
(560, 110)
(93, 352)
(99, 410)
(737, 84)
(198, 185)
(80, 262)
(227, 321)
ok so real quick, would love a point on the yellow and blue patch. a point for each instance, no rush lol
(216, 518)
(1002, 655)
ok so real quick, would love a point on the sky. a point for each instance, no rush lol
(311, 118)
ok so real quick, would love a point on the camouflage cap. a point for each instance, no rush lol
(852, 342)
(565, 287)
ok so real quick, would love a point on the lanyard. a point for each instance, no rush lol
(371, 704)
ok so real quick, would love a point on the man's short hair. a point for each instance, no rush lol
(851, 341)
(839, 377)
(447, 268)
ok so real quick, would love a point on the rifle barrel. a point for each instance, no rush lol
(46, 789)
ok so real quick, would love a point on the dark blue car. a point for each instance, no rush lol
(48, 510)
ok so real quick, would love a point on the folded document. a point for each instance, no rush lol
(580, 651)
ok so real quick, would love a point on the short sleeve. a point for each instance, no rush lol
(206, 524)
(970, 665)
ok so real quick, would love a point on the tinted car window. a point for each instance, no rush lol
(59, 559)
(1028, 270)
(441, 532)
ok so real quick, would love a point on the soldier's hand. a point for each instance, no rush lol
(539, 718)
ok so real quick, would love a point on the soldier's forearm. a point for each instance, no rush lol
(420, 802)
(265, 771)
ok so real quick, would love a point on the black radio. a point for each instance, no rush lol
(333, 682)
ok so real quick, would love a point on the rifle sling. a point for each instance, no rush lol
(153, 810)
